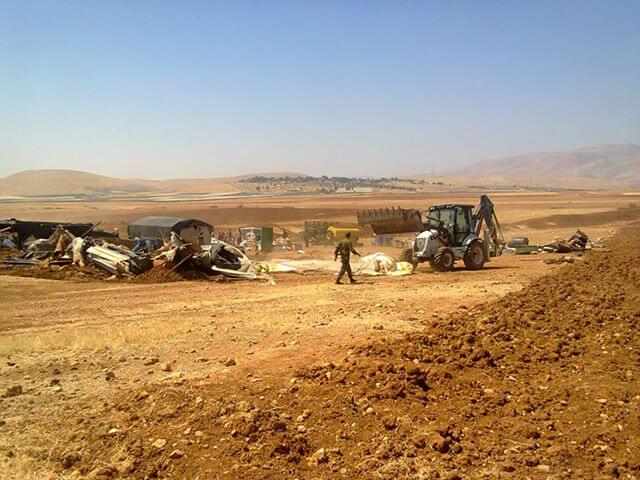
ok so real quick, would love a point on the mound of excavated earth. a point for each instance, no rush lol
(544, 383)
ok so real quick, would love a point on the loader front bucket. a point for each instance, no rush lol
(391, 220)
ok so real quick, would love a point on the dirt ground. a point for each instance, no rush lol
(519, 370)
(513, 208)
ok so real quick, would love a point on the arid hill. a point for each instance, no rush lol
(62, 182)
(605, 166)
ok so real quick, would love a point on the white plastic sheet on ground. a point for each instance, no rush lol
(370, 265)
(275, 267)
(301, 266)
(382, 264)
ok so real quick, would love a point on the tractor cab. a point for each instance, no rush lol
(446, 233)
(454, 221)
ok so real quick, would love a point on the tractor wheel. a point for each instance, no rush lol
(407, 256)
(474, 256)
(443, 259)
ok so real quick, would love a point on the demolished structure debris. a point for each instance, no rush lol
(189, 229)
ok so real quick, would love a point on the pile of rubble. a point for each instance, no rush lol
(578, 242)
(63, 247)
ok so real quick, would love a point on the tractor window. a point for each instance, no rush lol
(446, 215)
(462, 228)
(462, 220)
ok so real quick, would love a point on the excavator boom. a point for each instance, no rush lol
(485, 214)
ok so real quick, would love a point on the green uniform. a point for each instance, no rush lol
(345, 249)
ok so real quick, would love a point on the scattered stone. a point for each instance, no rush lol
(143, 395)
(166, 367)
(159, 443)
(69, 459)
(543, 468)
(378, 327)
(13, 391)
(419, 441)
(370, 411)
(109, 375)
(229, 362)
(389, 423)
(176, 454)
(151, 361)
(103, 472)
(320, 456)
(113, 431)
(439, 443)
(302, 429)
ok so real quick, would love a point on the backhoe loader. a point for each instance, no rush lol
(446, 233)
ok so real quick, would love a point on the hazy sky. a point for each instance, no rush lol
(204, 88)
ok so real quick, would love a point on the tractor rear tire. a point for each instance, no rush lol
(443, 259)
(474, 256)
(407, 256)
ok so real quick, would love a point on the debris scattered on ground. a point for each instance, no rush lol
(538, 384)
(578, 242)
(173, 259)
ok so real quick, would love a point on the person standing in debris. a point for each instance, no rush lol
(175, 240)
(345, 249)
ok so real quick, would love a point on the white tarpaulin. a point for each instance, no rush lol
(382, 264)
(371, 265)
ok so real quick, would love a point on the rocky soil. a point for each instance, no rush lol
(540, 384)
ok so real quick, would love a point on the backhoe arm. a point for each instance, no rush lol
(486, 214)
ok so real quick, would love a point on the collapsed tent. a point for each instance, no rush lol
(115, 259)
(370, 265)
(189, 229)
(382, 264)
(37, 229)
(225, 259)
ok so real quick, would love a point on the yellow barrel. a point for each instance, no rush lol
(335, 234)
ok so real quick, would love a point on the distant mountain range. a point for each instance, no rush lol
(605, 166)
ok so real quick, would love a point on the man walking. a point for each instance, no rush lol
(345, 249)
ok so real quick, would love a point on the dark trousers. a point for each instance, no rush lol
(345, 268)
